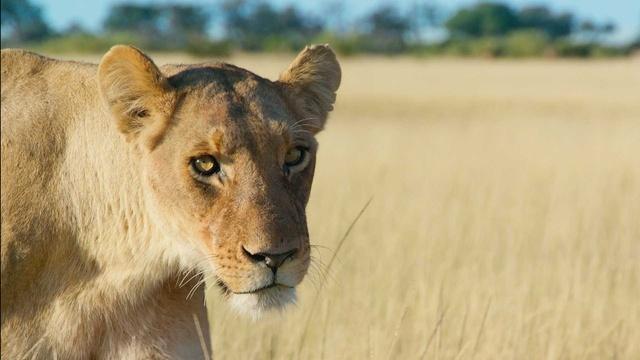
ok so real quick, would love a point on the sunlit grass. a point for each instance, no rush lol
(505, 220)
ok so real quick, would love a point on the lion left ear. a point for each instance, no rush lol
(310, 83)
(137, 93)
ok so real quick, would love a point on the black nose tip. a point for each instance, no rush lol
(273, 261)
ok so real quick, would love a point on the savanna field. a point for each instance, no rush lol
(504, 220)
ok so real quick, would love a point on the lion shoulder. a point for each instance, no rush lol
(41, 97)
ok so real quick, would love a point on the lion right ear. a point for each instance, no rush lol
(137, 93)
(310, 83)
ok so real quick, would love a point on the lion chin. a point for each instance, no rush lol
(257, 304)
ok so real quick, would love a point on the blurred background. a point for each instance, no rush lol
(496, 145)
(516, 28)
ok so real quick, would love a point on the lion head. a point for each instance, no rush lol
(227, 160)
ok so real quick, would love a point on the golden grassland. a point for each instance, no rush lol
(505, 220)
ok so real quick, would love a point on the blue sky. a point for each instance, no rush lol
(625, 13)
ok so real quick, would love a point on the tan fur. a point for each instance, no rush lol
(107, 236)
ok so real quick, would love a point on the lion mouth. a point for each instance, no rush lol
(257, 302)
(226, 289)
(270, 286)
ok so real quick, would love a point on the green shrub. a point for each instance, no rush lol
(456, 47)
(486, 47)
(83, 43)
(526, 43)
(601, 51)
(566, 48)
(204, 47)
(282, 43)
(345, 45)
(351, 44)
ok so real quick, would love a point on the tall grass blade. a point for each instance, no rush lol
(305, 332)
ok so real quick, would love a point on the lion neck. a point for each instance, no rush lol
(113, 228)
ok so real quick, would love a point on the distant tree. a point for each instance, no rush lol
(142, 19)
(252, 23)
(483, 19)
(22, 21)
(183, 23)
(186, 19)
(635, 44)
(74, 28)
(387, 21)
(608, 28)
(386, 30)
(425, 15)
(160, 26)
(594, 32)
(541, 18)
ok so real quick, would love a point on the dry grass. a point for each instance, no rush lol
(505, 220)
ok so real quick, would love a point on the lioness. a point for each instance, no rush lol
(125, 186)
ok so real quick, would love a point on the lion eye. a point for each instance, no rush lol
(295, 156)
(205, 165)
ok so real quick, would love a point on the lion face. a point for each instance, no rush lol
(227, 161)
(234, 173)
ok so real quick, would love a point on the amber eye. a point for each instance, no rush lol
(205, 165)
(295, 156)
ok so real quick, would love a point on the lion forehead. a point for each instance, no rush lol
(238, 87)
(231, 106)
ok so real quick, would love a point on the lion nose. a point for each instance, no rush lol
(273, 261)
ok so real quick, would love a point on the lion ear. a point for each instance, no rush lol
(138, 95)
(310, 84)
